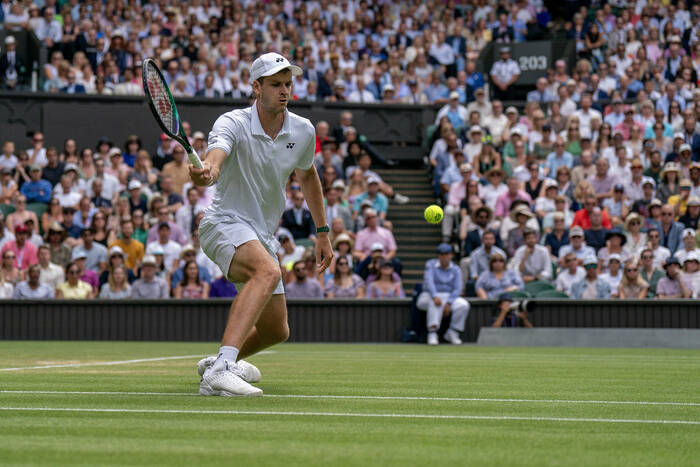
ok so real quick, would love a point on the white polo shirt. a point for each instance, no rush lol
(253, 176)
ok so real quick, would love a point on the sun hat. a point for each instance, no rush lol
(343, 237)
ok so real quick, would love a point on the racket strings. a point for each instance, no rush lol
(160, 98)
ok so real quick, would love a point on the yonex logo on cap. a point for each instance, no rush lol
(290, 145)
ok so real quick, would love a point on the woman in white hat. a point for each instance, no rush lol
(342, 244)
(516, 238)
(636, 239)
(690, 272)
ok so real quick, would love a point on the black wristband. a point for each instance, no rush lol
(324, 228)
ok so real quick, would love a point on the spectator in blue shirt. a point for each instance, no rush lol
(377, 84)
(558, 158)
(36, 190)
(436, 91)
(442, 286)
(188, 254)
(380, 203)
(475, 80)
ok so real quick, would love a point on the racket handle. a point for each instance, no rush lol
(195, 160)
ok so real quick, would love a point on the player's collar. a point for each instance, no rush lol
(256, 127)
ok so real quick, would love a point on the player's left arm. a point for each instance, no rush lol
(313, 193)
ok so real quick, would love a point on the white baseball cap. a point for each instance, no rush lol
(116, 250)
(271, 63)
(149, 260)
(376, 246)
(133, 184)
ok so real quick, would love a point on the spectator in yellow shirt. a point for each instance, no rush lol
(680, 201)
(73, 287)
(133, 249)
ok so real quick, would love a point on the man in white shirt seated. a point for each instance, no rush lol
(49, 273)
(456, 112)
(361, 94)
(569, 276)
(577, 246)
(614, 274)
(171, 249)
(33, 288)
(661, 253)
(532, 260)
(688, 246)
(585, 114)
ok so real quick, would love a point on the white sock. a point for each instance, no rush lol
(227, 353)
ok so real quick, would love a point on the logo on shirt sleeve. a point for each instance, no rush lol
(290, 145)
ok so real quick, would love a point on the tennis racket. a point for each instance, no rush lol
(162, 104)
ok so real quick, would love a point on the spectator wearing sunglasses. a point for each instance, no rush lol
(497, 279)
(303, 286)
(632, 285)
(591, 286)
(74, 287)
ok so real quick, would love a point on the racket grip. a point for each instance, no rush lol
(195, 160)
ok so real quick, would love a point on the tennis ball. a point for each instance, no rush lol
(433, 214)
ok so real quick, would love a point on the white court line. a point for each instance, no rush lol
(411, 398)
(119, 362)
(363, 415)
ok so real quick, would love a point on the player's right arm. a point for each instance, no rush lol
(222, 141)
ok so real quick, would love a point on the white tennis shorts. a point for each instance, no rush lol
(219, 239)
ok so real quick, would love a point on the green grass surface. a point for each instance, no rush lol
(126, 428)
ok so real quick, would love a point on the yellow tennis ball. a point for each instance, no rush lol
(433, 214)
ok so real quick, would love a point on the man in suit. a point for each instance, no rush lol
(298, 219)
(208, 89)
(503, 32)
(310, 71)
(459, 44)
(482, 216)
(597, 94)
(73, 87)
(12, 68)
(334, 208)
(540, 94)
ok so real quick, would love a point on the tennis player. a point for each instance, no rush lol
(251, 154)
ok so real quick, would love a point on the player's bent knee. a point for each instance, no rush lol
(269, 274)
(283, 333)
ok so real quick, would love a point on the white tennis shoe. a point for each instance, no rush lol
(250, 372)
(452, 337)
(433, 338)
(227, 382)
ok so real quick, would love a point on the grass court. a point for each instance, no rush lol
(102, 403)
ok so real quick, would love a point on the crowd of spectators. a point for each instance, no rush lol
(356, 51)
(593, 188)
(112, 223)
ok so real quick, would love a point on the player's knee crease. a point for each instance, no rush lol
(270, 275)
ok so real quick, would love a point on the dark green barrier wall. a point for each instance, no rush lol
(309, 320)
